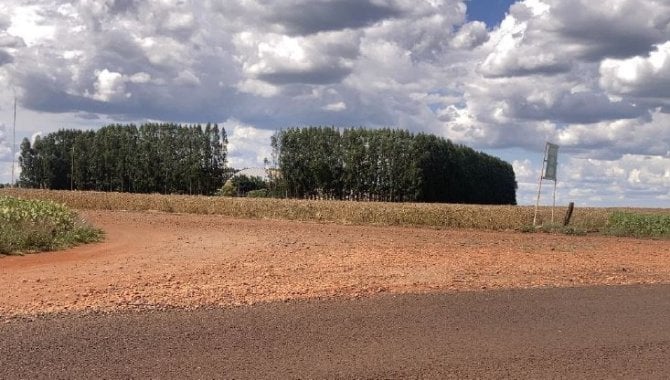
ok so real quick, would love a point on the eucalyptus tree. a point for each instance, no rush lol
(389, 165)
(166, 157)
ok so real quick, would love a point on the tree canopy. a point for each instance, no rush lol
(358, 164)
(164, 158)
(389, 165)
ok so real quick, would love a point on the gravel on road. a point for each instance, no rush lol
(597, 332)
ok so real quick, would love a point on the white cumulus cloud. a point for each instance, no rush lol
(591, 76)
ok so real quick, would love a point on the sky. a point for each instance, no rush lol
(503, 77)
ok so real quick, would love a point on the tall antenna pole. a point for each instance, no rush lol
(14, 142)
(72, 170)
(539, 187)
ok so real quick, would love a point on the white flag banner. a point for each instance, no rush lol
(551, 159)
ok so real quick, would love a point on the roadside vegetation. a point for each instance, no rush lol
(584, 220)
(39, 225)
(655, 225)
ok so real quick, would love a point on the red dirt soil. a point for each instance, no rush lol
(159, 260)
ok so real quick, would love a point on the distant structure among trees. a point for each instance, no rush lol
(315, 162)
(164, 158)
(389, 165)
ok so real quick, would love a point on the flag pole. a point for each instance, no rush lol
(553, 206)
(539, 186)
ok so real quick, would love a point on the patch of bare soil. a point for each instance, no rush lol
(158, 260)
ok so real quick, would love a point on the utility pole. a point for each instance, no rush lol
(72, 170)
(14, 143)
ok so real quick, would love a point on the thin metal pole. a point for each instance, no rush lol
(14, 143)
(539, 186)
(554, 204)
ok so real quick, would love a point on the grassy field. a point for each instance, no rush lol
(37, 225)
(395, 214)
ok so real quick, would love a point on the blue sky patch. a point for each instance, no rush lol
(492, 12)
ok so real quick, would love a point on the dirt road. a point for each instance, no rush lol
(158, 260)
(599, 332)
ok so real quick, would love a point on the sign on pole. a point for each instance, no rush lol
(549, 165)
(551, 160)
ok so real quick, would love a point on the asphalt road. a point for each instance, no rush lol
(601, 332)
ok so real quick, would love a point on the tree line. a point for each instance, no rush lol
(325, 162)
(164, 158)
(389, 165)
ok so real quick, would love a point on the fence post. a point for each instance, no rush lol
(568, 214)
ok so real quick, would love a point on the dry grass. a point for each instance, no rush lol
(346, 212)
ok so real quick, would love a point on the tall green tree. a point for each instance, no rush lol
(167, 158)
(389, 165)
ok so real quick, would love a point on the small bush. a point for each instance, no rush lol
(639, 225)
(261, 193)
(33, 225)
(228, 189)
(527, 228)
(241, 185)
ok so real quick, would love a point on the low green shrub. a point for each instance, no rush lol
(228, 190)
(261, 193)
(639, 225)
(34, 225)
(242, 185)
